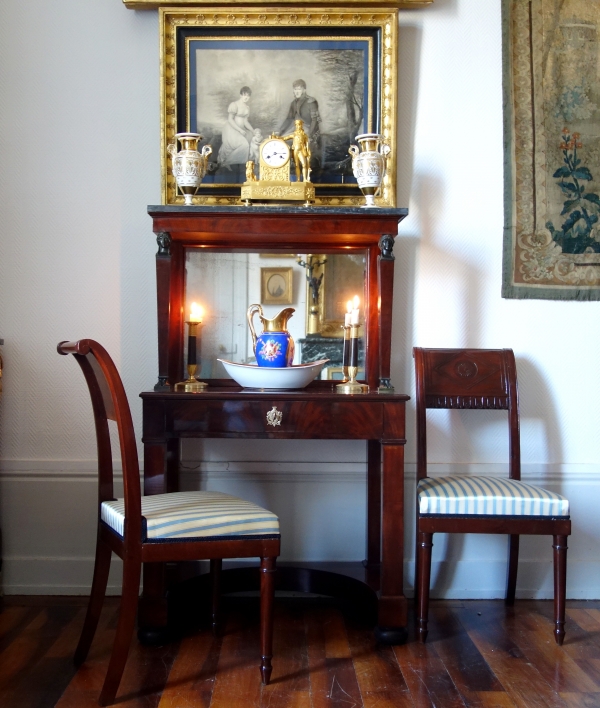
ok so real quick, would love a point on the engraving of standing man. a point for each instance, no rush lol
(306, 109)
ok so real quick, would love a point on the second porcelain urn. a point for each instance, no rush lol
(189, 165)
(369, 165)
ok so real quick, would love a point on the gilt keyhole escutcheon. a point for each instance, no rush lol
(274, 417)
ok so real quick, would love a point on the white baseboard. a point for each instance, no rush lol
(60, 576)
(322, 507)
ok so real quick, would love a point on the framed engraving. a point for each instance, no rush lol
(276, 286)
(334, 69)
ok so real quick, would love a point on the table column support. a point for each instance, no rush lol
(373, 559)
(392, 618)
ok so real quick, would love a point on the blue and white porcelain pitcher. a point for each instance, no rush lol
(274, 346)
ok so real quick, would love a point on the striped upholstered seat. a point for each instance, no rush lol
(481, 379)
(190, 515)
(488, 496)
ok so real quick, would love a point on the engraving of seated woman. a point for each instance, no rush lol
(235, 148)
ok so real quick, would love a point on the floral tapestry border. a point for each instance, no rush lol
(552, 150)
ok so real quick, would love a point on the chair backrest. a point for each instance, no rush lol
(109, 402)
(467, 378)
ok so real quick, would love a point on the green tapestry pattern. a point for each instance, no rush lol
(552, 149)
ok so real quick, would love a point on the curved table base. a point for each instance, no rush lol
(189, 601)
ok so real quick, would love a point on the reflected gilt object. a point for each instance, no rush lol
(312, 265)
(369, 165)
(188, 165)
(274, 346)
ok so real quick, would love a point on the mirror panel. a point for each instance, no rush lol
(317, 286)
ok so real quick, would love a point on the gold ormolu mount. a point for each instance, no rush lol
(191, 384)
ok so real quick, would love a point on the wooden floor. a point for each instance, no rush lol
(479, 654)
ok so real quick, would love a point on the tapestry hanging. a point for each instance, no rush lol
(552, 149)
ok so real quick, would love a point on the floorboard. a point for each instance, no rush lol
(479, 654)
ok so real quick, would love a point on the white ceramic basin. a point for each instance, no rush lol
(253, 376)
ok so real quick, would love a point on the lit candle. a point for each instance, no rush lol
(348, 313)
(197, 313)
(355, 311)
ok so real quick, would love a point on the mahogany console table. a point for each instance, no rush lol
(225, 410)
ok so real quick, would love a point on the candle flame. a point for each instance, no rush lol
(197, 313)
(349, 306)
(356, 302)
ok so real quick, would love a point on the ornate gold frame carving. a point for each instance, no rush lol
(400, 4)
(170, 19)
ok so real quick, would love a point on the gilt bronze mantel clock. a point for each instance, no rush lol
(275, 159)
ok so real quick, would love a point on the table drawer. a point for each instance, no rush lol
(279, 418)
(238, 417)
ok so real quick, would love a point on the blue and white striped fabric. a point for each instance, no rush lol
(185, 515)
(488, 496)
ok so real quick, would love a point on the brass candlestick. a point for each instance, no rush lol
(352, 385)
(191, 384)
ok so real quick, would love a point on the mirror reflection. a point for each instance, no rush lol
(317, 286)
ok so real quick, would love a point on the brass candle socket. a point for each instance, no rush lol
(191, 384)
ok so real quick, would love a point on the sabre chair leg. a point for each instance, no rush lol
(425, 545)
(129, 600)
(560, 586)
(267, 594)
(101, 570)
(216, 566)
(513, 565)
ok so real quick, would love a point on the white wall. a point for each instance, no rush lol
(79, 163)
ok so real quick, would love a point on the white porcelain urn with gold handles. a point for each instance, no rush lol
(369, 165)
(189, 165)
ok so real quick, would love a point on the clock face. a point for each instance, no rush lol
(275, 153)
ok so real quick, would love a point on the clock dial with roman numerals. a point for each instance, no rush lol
(275, 153)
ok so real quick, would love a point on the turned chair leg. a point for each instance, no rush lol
(267, 593)
(101, 570)
(560, 586)
(513, 565)
(216, 566)
(416, 581)
(425, 544)
(129, 599)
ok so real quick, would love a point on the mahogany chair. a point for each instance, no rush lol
(481, 379)
(160, 528)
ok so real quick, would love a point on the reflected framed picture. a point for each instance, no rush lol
(334, 70)
(276, 286)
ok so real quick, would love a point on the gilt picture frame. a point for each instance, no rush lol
(401, 4)
(217, 79)
(276, 286)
